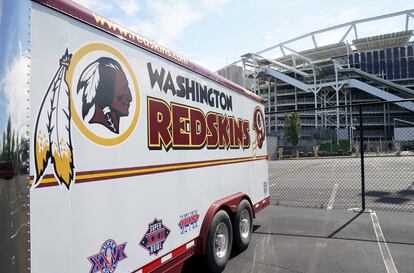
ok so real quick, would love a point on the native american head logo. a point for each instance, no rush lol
(105, 88)
(259, 127)
(92, 88)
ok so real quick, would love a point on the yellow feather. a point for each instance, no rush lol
(41, 153)
(63, 163)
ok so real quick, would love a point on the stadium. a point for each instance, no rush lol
(338, 66)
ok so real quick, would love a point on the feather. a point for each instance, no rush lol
(42, 130)
(52, 131)
(41, 139)
(88, 83)
(60, 134)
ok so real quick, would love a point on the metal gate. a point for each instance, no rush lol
(367, 162)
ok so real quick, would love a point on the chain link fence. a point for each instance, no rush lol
(355, 156)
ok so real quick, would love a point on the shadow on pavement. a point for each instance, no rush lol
(397, 198)
(196, 264)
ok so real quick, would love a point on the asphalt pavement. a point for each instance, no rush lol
(336, 183)
(293, 240)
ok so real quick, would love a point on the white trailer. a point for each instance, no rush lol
(138, 157)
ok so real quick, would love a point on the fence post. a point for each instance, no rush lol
(361, 148)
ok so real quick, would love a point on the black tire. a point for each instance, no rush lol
(241, 241)
(215, 262)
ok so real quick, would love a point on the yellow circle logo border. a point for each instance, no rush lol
(75, 117)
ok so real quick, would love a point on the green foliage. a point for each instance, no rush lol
(24, 148)
(291, 128)
(9, 143)
(335, 147)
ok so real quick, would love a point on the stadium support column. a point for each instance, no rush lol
(316, 105)
(275, 94)
(361, 148)
(337, 98)
(351, 118)
(385, 122)
(316, 100)
(323, 104)
(269, 126)
(346, 110)
(296, 96)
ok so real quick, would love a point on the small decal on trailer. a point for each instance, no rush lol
(154, 238)
(188, 221)
(259, 126)
(108, 257)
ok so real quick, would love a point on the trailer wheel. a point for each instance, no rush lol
(219, 242)
(243, 225)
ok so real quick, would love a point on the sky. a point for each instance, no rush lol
(13, 65)
(214, 33)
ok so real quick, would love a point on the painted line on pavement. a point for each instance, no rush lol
(333, 195)
(294, 170)
(385, 251)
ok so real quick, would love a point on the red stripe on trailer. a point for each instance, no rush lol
(259, 206)
(108, 174)
(179, 250)
(168, 258)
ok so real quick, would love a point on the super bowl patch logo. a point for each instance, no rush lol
(259, 127)
(155, 237)
(96, 89)
(110, 254)
(188, 221)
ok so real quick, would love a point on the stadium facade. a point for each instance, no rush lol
(302, 74)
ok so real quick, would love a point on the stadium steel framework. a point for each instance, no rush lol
(352, 69)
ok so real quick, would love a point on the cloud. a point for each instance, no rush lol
(129, 7)
(163, 20)
(169, 19)
(349, 14)
(214, 5)
(96, 5)
(15, 86)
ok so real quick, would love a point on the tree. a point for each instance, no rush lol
(24, 149)
(8, 140)
(3, 152)
(291, 129)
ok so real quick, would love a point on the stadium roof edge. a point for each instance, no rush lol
(351, 24)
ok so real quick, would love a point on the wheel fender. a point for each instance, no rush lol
(229, 204)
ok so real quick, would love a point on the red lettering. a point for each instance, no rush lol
(181, 135)
(197, 127)
(181, 126)
(150, 239)
(159, 122)
(161, 235)
(246, 134)
(212, 135)
(223, 131)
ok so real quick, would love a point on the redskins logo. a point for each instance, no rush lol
(97, 89)
(259, 127)
(105, 95)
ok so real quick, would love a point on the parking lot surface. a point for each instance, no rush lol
(332, 241)
(336, 182)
